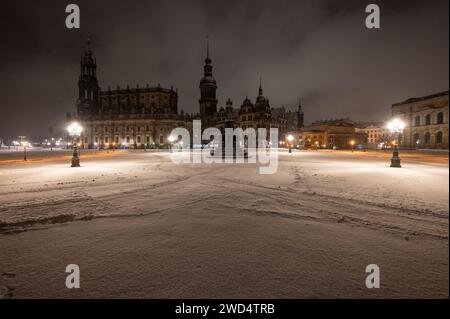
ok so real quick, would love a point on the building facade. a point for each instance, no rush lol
(143, 117)
(131, 117)
(426, 120)
(330, 134)
(377, 134)
(255, 115)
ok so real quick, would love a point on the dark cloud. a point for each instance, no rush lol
(317, 50)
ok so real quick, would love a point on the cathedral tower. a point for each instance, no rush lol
(87, 103)
(208, 87)
(300, 116)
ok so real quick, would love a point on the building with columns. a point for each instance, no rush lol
(426, 120)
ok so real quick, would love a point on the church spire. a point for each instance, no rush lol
(88, 89)
(260, 91)
(208, 87)
(207, 48)
(207, 69)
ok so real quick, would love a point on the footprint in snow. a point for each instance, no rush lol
(7, 275)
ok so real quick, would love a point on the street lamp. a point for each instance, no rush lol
(24, 145)
(396, 126)
(75, 130)
(352, 143)
(171, 139)
(290, 138)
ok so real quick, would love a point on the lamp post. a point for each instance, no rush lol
(396, 126)
(352, 143)
(24, 145)
(290, 138)
(75, 130)
(171, 139)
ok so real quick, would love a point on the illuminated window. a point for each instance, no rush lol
(417, 138)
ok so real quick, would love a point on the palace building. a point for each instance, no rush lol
(426, 120)
(143, 117)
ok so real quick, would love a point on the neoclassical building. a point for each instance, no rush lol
(426, 120)
(143, 117)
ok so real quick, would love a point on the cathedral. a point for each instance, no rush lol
(143, 117)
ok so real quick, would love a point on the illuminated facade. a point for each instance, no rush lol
(333, 134)
(426, 121)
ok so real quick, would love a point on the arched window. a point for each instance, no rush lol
(417, 121)
(440, 118)
(439, 138)
(428, 119)
(416, 139)
(427, 138)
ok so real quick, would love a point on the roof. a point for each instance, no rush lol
(423, 98)
(335, 122)
(145, 89)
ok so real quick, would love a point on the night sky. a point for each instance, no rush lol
(319, 51)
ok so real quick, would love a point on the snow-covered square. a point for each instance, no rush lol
(139, 225)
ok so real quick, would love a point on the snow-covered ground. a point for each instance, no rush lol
(139, 225)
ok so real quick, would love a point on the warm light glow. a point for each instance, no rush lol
(290, 138)
(171, 139)
(74, 129)
(352, 142)
(396, 126)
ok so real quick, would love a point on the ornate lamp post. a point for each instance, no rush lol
(396, 127)
(75, 130)
(290, 138)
